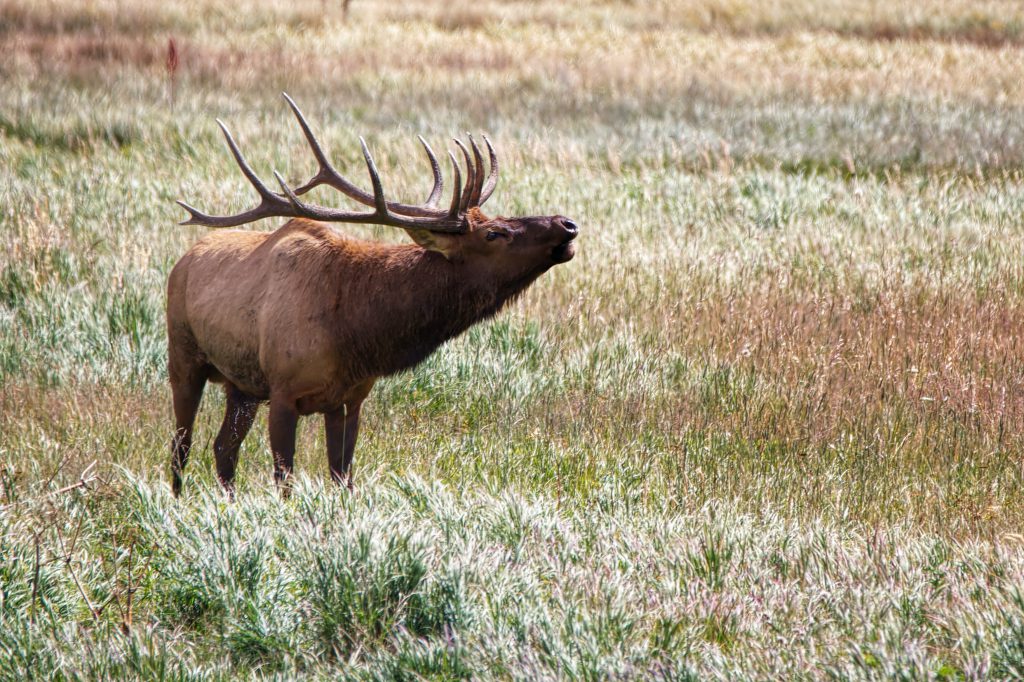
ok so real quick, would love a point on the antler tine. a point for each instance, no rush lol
(290, 193)
(270, 205)
(492, 178)
(471, 171)
(435, 167)
(326, 174)
(246, 168)
(457, 189)
(378, 188)
(197, 217)
(478, 180)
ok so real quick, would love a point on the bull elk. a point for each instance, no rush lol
(308, 319)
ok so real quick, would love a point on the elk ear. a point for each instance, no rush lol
(433, 241)
(446, 244)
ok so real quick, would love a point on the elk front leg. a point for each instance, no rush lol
(238, 418)
(283, 418)
(342, 428)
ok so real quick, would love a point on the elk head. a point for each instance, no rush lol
(510, 248)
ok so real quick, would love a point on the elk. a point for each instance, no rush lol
(307, 319)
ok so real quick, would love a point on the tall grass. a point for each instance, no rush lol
(412, 579)
(767, 424)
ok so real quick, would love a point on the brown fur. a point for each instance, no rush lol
(308, 319)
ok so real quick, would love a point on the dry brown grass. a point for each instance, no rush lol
(584, 55)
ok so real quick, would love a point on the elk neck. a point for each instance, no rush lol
(413, 300)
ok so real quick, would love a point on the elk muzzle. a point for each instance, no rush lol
(565, 250)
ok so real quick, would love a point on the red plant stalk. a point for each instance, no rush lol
(172, 69)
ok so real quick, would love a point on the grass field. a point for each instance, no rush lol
(769, 423)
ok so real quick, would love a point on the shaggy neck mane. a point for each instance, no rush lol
(430, 300)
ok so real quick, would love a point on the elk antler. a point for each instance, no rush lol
(427, 216)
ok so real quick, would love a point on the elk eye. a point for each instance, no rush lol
(492, 235)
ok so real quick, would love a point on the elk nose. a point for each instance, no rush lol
(570, 226)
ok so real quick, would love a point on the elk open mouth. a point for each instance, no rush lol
(564, 251)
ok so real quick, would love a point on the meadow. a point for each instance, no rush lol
(768, 424)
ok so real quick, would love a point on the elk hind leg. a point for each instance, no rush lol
(187, 392)
(239, 415)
